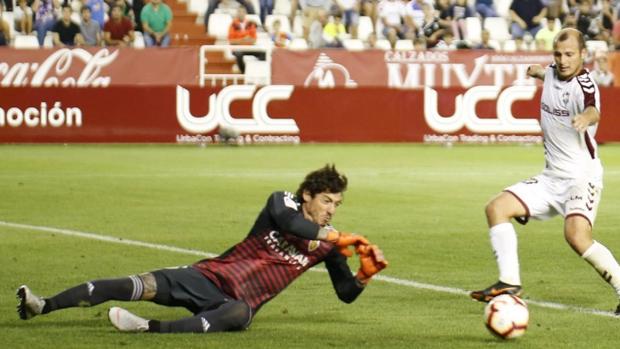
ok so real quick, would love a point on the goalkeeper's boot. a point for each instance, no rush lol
(30, 305)
(495, 290)
(125, 321)
(617, 312)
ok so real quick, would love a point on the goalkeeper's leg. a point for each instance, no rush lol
(135, 287)
(231, 316)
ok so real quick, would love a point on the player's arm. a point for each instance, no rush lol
(346, 285)
(582, 121)
(536, 71)
(283, 210)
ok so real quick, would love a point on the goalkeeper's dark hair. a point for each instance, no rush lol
(326, 179)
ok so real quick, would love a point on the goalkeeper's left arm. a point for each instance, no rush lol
(348, 286)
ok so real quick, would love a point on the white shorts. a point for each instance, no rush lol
(544, 197)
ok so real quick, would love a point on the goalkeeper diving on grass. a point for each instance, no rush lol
(291, 234)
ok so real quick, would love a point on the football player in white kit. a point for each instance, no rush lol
(570, 184)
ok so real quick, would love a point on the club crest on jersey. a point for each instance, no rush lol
(313, 245)
(565, 97)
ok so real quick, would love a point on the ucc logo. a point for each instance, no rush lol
(465, 111)
(219, 110)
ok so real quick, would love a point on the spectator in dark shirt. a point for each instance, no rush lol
(66, 32)
(526, 17)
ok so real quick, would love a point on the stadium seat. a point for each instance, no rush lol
(503, 7)
(403, 45)
(48, 42)
(198, 7)
(298, 44)
(596, 45)
(255, 19)
(219, 24)
(257, 72)
(282, 7)
(75, 17)
(498, 28)
(473, 29)
(8, 17)
(138, 41)
(298, 26)
(353, 44)
(509, 46)
(285, 24)
(383, 44)
(364, 28)
(26, 42)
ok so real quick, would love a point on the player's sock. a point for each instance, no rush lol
(504, 243)
(96, 292)
(605, 264)
(232, 316)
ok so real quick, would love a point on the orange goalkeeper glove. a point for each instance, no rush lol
(344, 240)
(372, 261)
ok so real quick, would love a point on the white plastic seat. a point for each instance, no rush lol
(219, 24)
(403, 45)
(509, 46)
(298, 44)
(26, 42)
(257, 72)
(364, 28)
(255, 19)
(138, 40)
(498, 28)
(383, 44)
(473, 29)
(353, 44)
(198, 7)
(596, 45)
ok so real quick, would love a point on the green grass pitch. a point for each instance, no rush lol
(422, 204)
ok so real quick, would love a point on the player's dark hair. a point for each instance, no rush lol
(565, 34)
(326, 179)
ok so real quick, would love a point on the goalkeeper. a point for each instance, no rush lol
(291, 234)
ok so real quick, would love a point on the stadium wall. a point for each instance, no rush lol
(66, 96)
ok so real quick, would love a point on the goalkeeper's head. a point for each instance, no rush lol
(321, 193)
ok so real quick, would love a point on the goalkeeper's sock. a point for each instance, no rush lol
(605, 264)
(504, 243)
(232, 316)
(96, 292)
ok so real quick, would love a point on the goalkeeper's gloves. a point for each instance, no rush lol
(344, 240)
(372, 261)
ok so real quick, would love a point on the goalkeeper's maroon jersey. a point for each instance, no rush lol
(281, 246)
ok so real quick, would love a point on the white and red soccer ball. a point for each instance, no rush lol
(506, 316)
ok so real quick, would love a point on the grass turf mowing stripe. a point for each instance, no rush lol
(387, 279)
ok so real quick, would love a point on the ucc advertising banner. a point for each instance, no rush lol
(281, 114)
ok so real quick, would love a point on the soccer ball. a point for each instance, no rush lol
(506, 316)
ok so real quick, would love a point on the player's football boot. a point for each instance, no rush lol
(495, 290)
(125, 321)
(30, 305)
(617, 312)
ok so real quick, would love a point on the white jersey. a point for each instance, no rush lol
(568, 153)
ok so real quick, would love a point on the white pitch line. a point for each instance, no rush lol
(387, 279)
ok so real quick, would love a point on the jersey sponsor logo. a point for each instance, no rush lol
(286, 250)
(554, 111)
(219, 110)
(465, 111)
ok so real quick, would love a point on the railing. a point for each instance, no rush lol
(233, 78)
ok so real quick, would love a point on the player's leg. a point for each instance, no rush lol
(135, 287)
(578, 234)
(230, 316)
(499, 211)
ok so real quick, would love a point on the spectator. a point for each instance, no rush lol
(486, 8)
(419, 43)
(601, 74)
(279, 37)
(414, 11)
(334, 31)
(242, 31)
(90, 30)
(22, 14)
(350, 12)
(315, 37)
(137, 6)
(526, 16)
(396, 23)
(605, 21)
(5, 33)
(156, 21)
(485, 41)
(586, 20)
(97, 10)
(545, 36)
(445, 13)
(458, 12)
(213, 4)
(266, 8)
(45, 17)
(118, 30)
(310, 11)
(369, 8)
(430, 29)
(447, 42)
(66, 32)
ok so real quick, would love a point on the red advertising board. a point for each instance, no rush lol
(280, 114)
